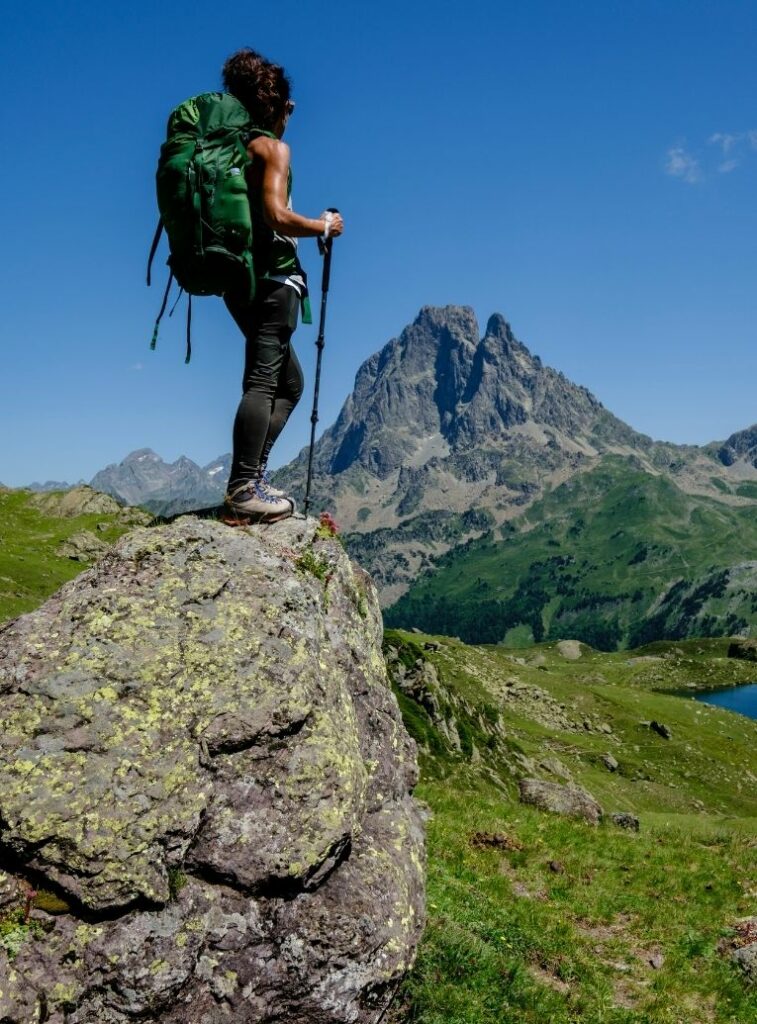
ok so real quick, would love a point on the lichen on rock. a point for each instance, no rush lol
(195, 706)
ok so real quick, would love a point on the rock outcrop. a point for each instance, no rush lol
(205, 809)
(569, 800)
(744, 649)
(742, 948)
(569, 649)
(83, 546)
(740, 447)
(81, 501)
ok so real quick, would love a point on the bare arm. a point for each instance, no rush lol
(273, 155)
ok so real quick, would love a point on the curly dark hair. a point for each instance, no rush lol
(264, 88)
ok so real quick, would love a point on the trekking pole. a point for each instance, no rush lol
(325, 247)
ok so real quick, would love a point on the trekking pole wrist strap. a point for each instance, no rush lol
(327, 219)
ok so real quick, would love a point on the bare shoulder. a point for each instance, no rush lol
(271, 151)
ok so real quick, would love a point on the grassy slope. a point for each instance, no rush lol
(29, 568)
(510, 939)
(589, 560)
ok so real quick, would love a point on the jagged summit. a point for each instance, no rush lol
(442, 387)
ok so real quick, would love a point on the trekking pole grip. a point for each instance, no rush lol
(326, 250)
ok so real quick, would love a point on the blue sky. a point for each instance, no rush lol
(587, 168)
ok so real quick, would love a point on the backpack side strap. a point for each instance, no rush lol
(189, 327)
(163, 305)
(154, 249)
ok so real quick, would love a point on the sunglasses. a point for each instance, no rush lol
(289, 107)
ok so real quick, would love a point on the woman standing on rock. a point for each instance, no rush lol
(272, 383)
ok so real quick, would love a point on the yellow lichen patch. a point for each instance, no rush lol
(62, 993)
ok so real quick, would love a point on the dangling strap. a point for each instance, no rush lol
(189, 328)
(163, 305)
(306, 312)
(173, 308)
(154, 249)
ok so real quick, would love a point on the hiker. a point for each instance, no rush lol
(272, 382)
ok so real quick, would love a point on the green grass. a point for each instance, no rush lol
(15, 930)
(309, 562)
(29, 568)
(511, 940)
(508, 939)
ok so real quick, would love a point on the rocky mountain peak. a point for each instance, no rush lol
(448, 432)
(141, 455)
(441, 378)
(498, 328)
(740, 447)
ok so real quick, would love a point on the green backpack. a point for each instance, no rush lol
(203, 201)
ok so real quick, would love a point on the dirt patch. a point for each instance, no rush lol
(546, 977)
(628, 963)
(626, 993)
(650, 958)
(521, 891)
(604, 932)
(495, 841)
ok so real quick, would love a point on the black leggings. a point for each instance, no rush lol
(272, 383)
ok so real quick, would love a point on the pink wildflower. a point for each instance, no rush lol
(328, 523)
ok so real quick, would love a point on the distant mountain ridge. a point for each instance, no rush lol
(145, 480)
(52, 485)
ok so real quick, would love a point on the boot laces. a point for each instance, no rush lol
(254, 489)
(260, 487)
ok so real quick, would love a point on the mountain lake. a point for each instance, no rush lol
(742, 699)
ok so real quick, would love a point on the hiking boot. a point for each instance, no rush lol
(263, 478)
(254, 503)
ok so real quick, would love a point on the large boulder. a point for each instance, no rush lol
(744, 649)
(82, 546)
(746, 959)
(569, 649)
(572, 801)
(205, 777)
